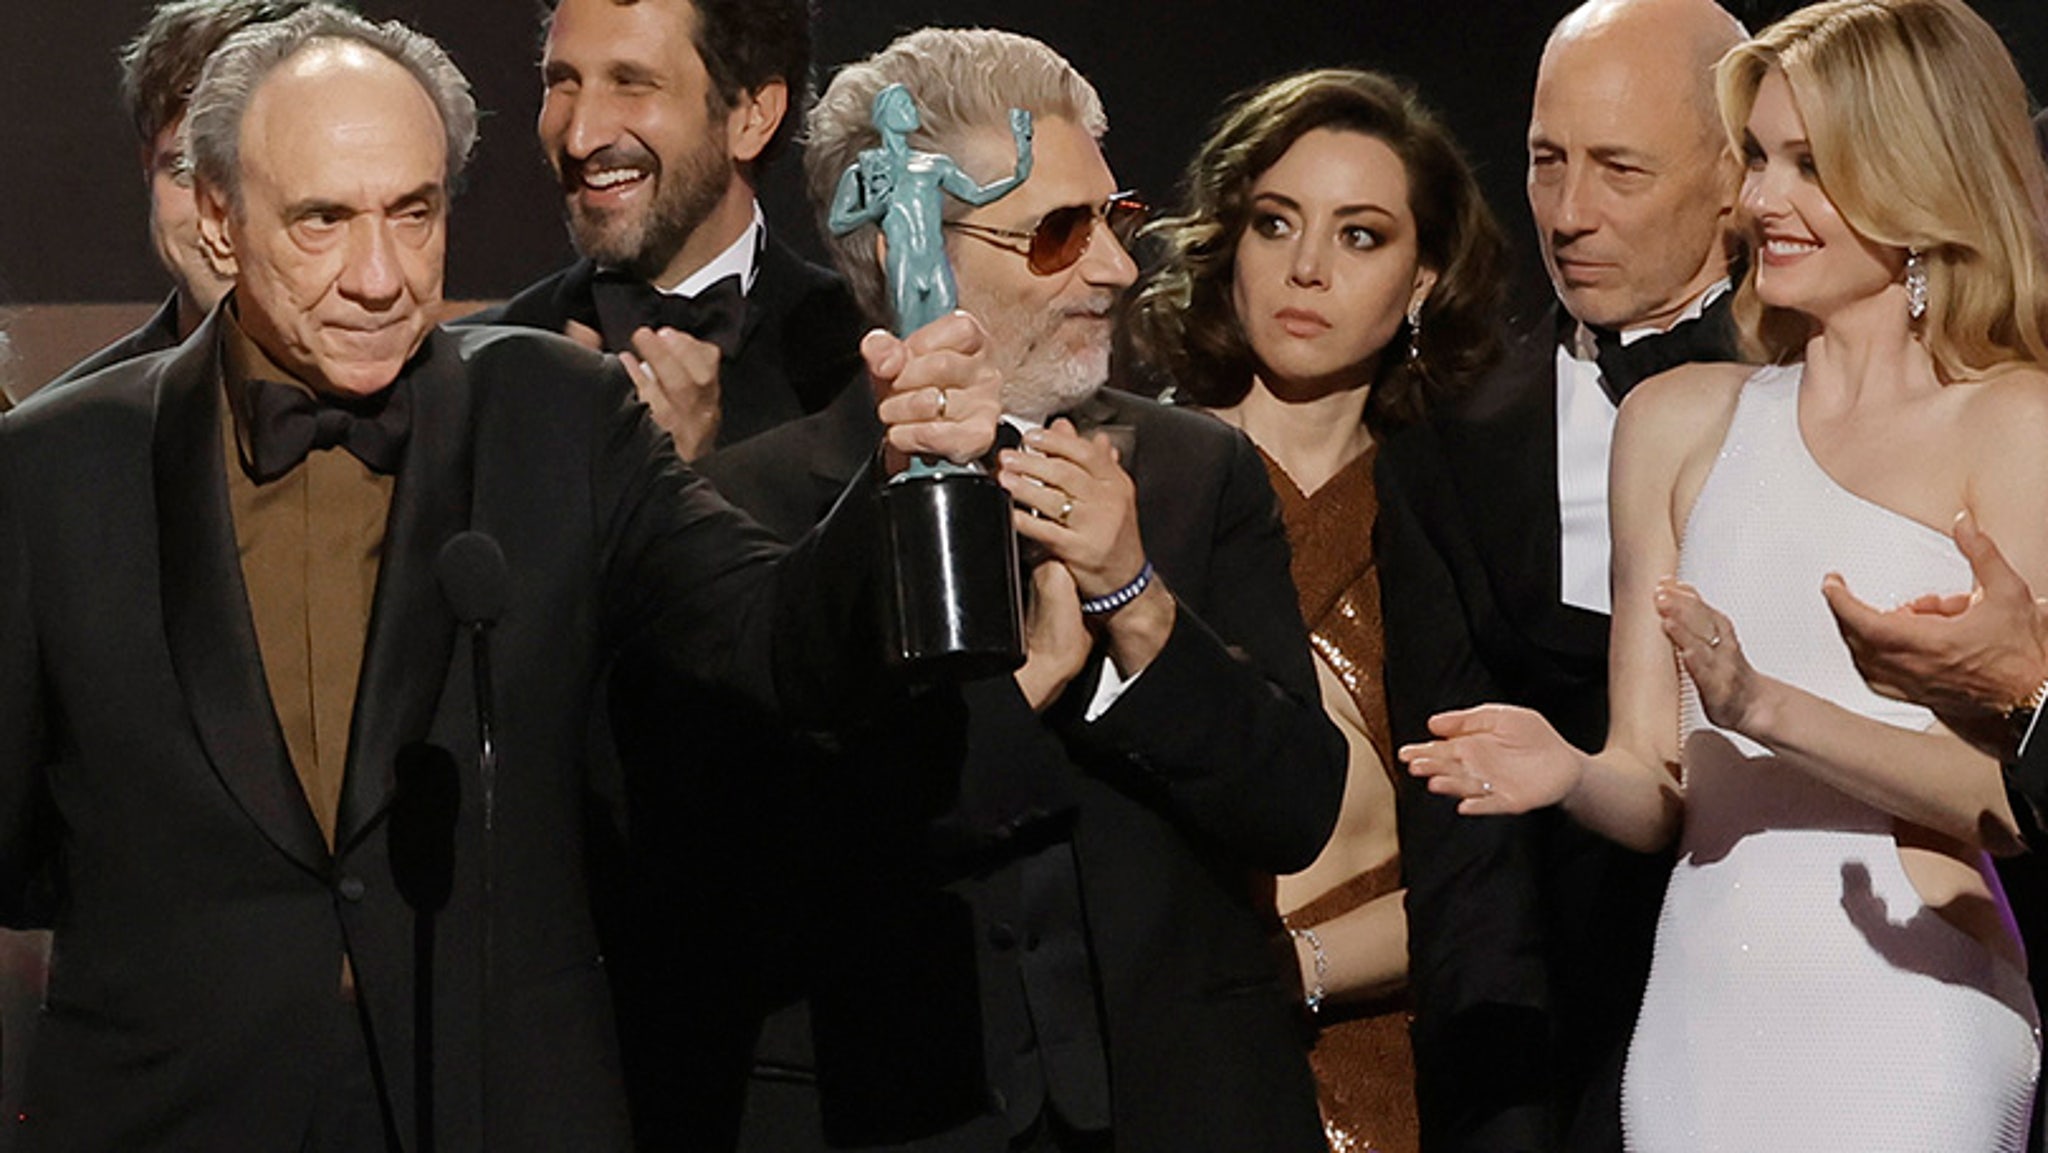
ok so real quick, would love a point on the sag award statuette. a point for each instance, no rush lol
(955, 604)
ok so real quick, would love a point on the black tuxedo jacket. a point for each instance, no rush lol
(918, 922)
(148, 807)
(1529, 938)
(2027, 778)
(159, 332)
(799, 347)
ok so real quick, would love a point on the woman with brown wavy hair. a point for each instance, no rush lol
(1334, 266)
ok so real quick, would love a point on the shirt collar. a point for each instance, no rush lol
(243, 360)
(1582, 337)
(741, 258)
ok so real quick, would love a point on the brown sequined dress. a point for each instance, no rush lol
(1365, 1071)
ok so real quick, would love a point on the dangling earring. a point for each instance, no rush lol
(1415, 330)
(1916, 285)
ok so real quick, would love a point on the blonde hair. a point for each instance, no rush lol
(1918, 124)
(965, 81)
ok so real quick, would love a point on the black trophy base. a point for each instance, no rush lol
(955, 604)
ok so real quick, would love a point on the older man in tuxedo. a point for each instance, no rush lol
(659, 119)
(311, 858)
(1529, 939)
(1042, 924)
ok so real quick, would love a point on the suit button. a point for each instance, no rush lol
(350, 888)
(997, 1103)
(1002, 936)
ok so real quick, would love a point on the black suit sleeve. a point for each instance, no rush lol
(2027, 777)
(22, 754)
(718, 596)
(1475, 934)
(1226, 723)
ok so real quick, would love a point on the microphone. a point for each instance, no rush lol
(476, 583)
(474, 578)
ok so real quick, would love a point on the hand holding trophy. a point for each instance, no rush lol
(955, 597)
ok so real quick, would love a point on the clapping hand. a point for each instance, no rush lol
(1729, 686)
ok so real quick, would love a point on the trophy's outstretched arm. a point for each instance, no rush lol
(963, 187)
(851, 205)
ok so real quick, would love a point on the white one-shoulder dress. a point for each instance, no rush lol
(1803, 997)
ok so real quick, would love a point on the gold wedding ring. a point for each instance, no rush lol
(1066, 510)
(942, 403)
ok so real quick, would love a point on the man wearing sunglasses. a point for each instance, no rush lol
(1029, 916)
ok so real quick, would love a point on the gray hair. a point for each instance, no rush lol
(213, 120)
(965, 80)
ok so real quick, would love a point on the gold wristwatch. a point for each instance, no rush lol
(2019, 719)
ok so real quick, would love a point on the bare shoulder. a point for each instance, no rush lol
(1675, 410)
(2009, 405)
(2003, 438)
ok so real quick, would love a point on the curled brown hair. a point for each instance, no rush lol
(1182, 321)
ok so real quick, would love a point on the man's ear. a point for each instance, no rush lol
(214, 238)
(1729, 171)
(754, 118)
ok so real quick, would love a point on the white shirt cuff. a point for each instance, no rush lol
(1108, 688)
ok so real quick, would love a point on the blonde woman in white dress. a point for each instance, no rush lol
(1835, 964)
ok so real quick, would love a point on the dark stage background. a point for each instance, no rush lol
(72, 207)
(71, 198)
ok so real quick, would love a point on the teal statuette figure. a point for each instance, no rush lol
(903, 190)
(955, 592)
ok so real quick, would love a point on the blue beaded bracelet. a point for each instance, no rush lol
(1109, 602)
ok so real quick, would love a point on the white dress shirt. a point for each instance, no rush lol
(742, 258)
(1585, 435)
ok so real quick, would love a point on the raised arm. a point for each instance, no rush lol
(1497, 759)
(1931, 778)
(963, 187)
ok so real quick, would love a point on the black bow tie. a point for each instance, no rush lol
(625, 304)
(1708, 337)
(286, 423)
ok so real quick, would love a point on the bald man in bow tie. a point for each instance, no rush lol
(1529, 939)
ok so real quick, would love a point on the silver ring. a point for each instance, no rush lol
(1714, 642)
(1486, 787)
(1066, 510)
(942, 403)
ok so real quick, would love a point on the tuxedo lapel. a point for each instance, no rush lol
(759, 388)
(1504, 458)
(412, 631)
(207, 624)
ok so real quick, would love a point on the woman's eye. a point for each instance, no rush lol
(1269, 225)
(1360, 238)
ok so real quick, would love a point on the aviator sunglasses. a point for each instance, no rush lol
(1061, 236)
